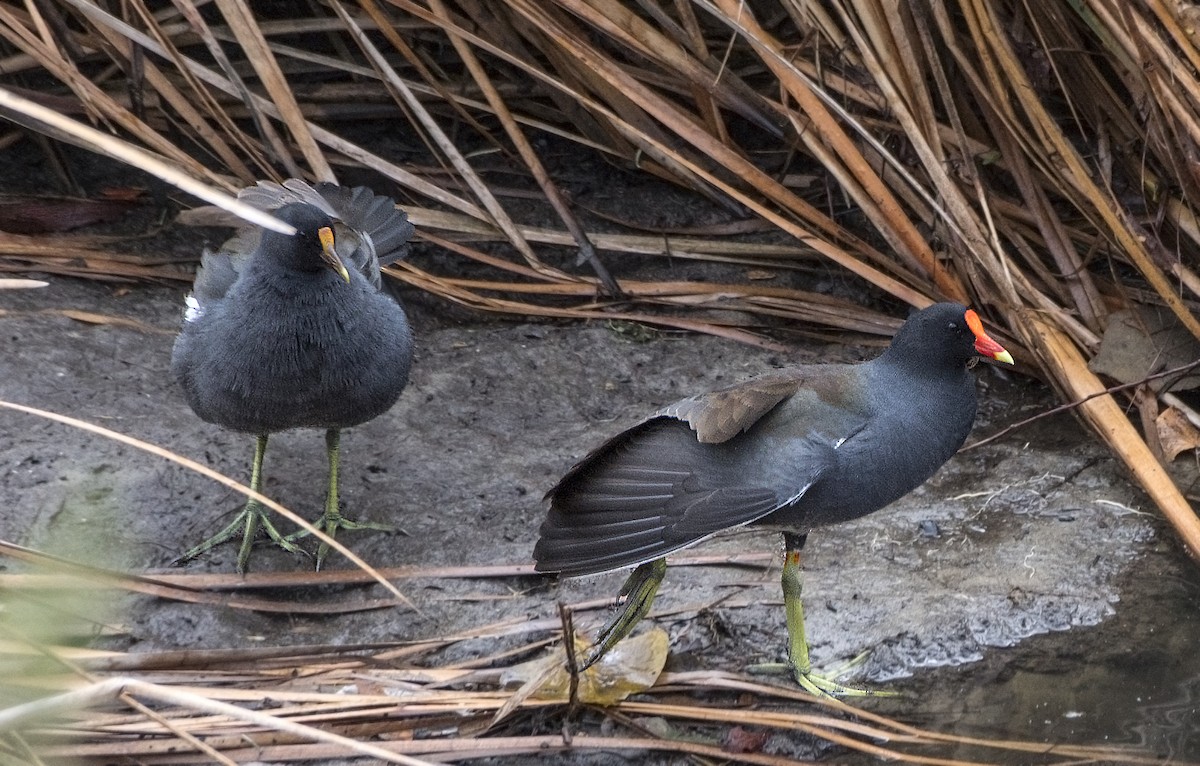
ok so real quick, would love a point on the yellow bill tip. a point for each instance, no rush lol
(329, 253)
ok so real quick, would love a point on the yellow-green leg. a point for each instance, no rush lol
(333, 520)
(633, 603)
(798, 659)
(248, 521)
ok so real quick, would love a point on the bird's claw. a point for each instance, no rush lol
(248, 522)
(633, 603)
(330, 524)
(825, 686)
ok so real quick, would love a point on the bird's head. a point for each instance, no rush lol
(311, 248)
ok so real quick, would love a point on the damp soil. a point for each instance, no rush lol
(1029, 590)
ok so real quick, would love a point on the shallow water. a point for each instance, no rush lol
(1132, 680)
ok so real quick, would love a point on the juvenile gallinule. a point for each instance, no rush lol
(793, 450)
(293, 332)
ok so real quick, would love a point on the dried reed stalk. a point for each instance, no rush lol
(286, 710)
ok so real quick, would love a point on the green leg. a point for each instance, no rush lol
(248, 521)
(633, 603)
(333, 520)
(798, 659)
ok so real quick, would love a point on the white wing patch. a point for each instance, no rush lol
(796, 496)
(194, 310)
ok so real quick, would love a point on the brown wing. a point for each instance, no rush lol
(720, 415)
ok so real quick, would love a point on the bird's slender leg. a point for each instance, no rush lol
(633, 603)
(253, 514)
(798, 659)
(333, 520)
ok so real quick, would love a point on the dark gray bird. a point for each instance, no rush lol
(794, 450)
(293, 331)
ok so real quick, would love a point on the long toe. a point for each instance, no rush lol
(276, 537)
(634, 602)
(331, 524)
(825, 686)
(820, 686)
(244, 524)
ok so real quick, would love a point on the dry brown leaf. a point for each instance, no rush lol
(1143, 341)
(632, 666)
(1176, 434)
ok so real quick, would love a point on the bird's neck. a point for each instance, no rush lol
(924, 400)
(292, 281)
(912, 363)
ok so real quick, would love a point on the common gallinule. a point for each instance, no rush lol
(293, 331)
(793, 450)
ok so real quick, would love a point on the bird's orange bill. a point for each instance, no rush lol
(984, 344)
(329, 254)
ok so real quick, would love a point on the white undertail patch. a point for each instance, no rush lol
(193, 311)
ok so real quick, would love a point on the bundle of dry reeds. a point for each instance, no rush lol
(404, 702)
(1037, 160)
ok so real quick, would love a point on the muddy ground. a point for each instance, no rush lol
(1039, 533)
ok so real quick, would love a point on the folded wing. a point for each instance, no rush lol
(675, 479)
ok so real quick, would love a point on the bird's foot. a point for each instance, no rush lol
(330, 523)
(633, 603)
(247, 523)
(823, 685)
